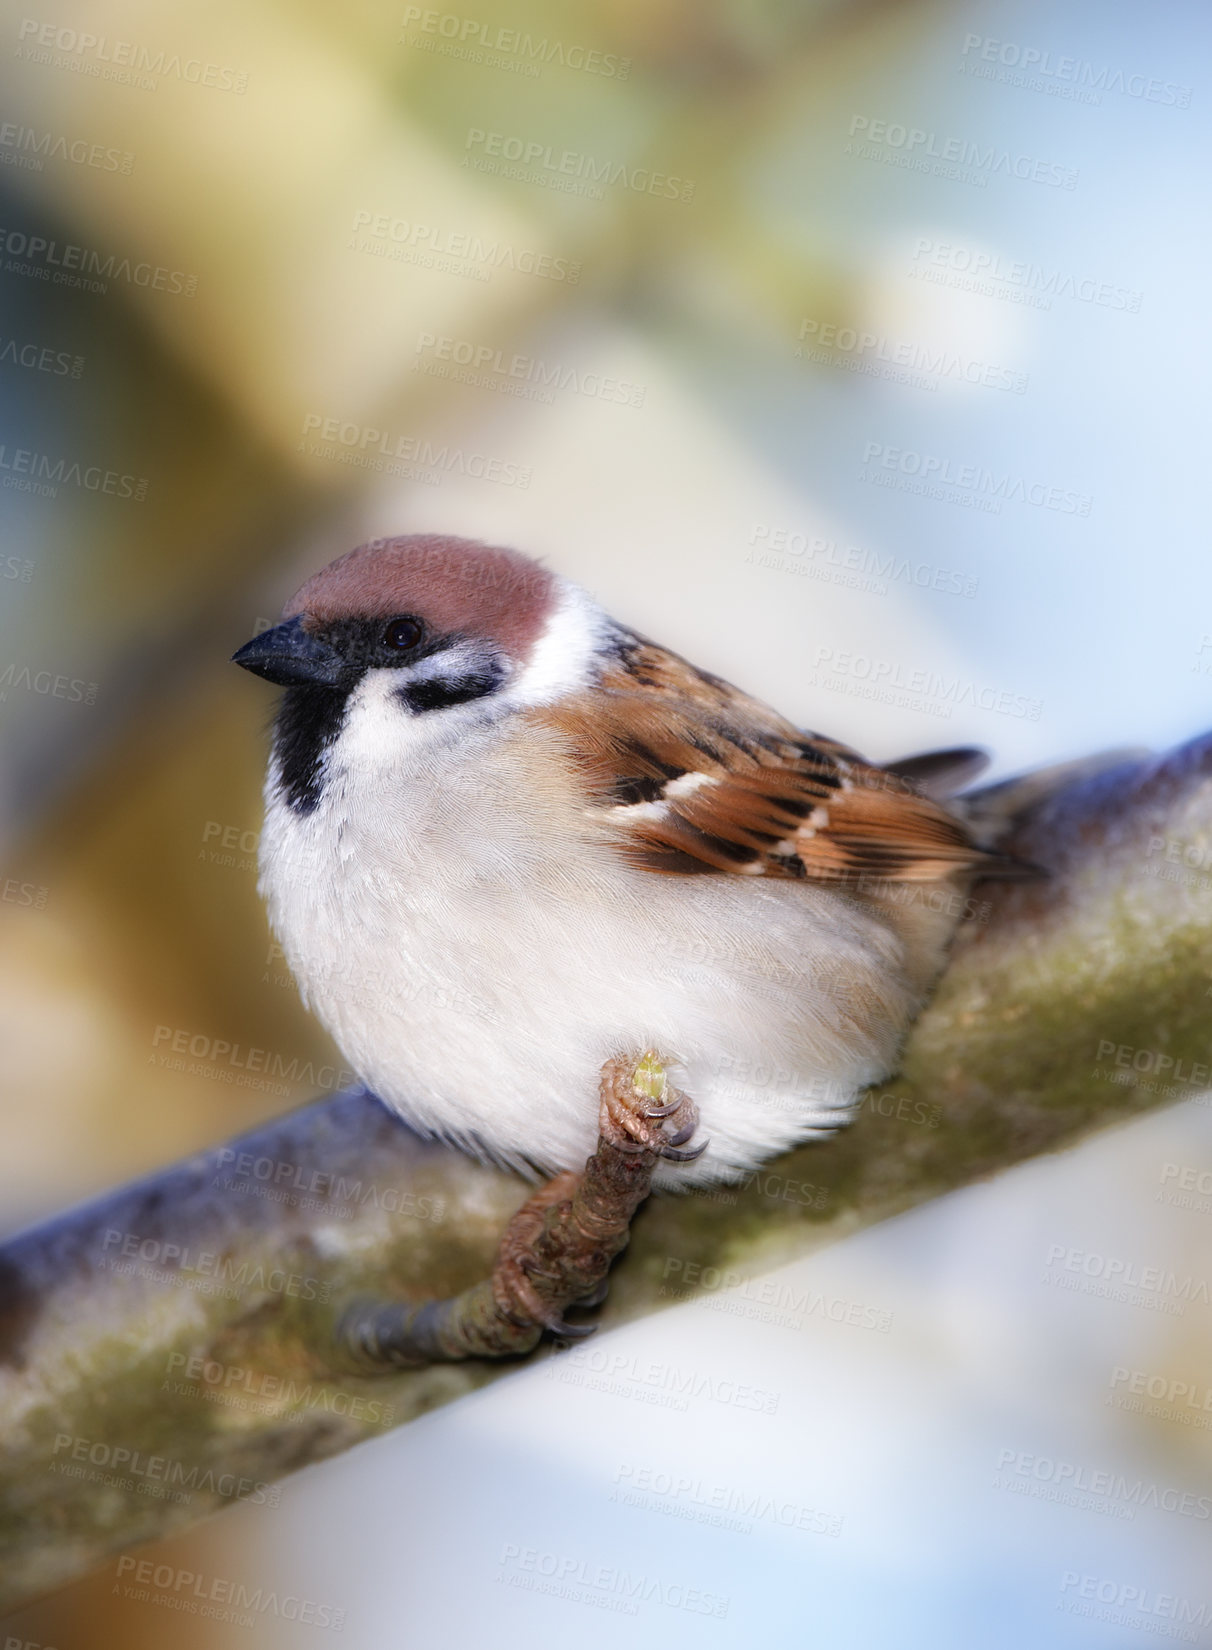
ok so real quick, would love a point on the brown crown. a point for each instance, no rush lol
(453, 584)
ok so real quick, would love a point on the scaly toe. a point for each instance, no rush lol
(626, 1130)
(515, 1294)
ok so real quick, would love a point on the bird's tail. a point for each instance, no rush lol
(992, 813)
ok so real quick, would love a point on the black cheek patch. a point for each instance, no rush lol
(309, 720)
(440, 692)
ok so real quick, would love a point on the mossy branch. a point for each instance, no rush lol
(169, 1348)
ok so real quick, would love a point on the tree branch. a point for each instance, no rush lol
(172, 1347)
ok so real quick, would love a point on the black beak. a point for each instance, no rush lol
(288, 655)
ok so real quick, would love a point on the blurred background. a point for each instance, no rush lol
(859, 352)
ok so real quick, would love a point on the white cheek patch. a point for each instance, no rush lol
(375, 722)
(381, 728)
(563, 656)
(458, 660)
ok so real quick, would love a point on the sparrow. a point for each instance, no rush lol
(509, 840)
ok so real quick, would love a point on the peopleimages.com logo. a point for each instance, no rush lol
(128, 62)
(1041, 70)
(1017, 280)
(500, 46)
(968, 158)
(529, 160)
(937, 476)
(66, 264)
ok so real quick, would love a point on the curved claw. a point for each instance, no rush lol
(676, 1156)
(569, 1331)
(532, 1269)
(664, 1111)
(683, 1134)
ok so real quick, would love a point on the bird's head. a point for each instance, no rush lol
(419, 627)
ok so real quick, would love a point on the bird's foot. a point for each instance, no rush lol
(520, 1273)
(642, 1111)
(557, 1250)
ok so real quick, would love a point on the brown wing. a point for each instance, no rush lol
(694, 775)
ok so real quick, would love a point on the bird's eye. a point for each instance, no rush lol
(403, 633)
